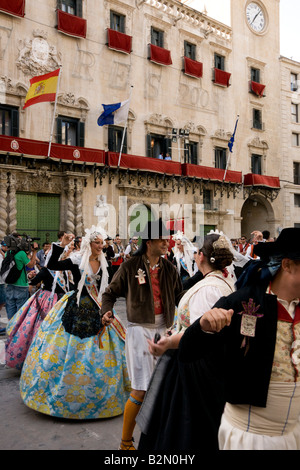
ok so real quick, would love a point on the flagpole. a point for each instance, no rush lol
(230, 152)
(54, 112)
(125, 127)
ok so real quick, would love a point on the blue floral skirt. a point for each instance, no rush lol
(71, 377)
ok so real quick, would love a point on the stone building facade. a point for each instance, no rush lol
(190, 78)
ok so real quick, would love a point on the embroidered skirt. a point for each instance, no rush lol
(74, 377)
(23, 326)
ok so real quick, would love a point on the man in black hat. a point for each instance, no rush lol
(152, 288)
(256, 336)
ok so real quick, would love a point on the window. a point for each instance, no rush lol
(189, 50)
(257, 119)
(297, 200)
(294, 83)
(296, 173)
(294, 111)
(115, 135)
(219, 62)
(256, 164)
(190, 153)
(158, 145)
(70, 131)
(295, 139)
(220, 158)
(157, 37)
(207, 199)
(117, 22)
(9, 121)
(255, 75)
(74, 7)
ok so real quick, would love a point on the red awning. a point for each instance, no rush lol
(193, 68)
(222, 77)
(39, 149)
(212, 174)
(70, 24)
(160, 55)
(143, 163)
(13, 7)
(257, 88)
(252, 179)
(119, 41)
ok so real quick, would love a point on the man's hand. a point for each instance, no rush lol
(216, 319)
(107, 318)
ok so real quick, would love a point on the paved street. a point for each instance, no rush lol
(24, 429)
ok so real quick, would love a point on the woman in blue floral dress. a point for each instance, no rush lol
(76, 367)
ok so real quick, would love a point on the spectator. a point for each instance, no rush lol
(17, 293)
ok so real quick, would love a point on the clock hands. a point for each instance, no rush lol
(255, 17)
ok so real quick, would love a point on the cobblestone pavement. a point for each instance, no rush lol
(22, 428)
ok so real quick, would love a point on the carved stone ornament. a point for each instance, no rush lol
(37, 56)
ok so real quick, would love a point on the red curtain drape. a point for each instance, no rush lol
(222, 77)
(13, 7)
(160, 55)
(39, 148)
(257, 88)
(193, 68)
(135, 162)
(119, 41)
(252, 179)
(209, 173)
(70, 24)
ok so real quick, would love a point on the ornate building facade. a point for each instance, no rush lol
(191, 79)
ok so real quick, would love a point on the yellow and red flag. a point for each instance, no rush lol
(42, 88)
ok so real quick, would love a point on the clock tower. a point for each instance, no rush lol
(256, 90)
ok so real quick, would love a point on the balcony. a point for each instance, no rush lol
(71, 25)
(39, 149)
(159, 55)
(220, 77)
(119, 41)
(268, 186)
(14, 8)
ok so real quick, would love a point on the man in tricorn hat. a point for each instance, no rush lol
(152, 288)
(257, 333)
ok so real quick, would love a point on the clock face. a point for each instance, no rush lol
(255, 17)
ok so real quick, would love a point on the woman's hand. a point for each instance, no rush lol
(66, 239)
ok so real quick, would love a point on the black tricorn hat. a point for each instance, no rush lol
(287, 245)
(153, 230)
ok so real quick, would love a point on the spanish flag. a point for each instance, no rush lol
(42, 88)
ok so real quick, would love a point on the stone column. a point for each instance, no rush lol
(70, 219)
(79, 214)
(3, 204)
(12, 203)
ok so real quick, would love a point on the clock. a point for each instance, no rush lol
(255, 17)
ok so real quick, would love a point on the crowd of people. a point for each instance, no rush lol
(210, 353)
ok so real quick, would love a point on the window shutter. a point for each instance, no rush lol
(168, 148)
(58, 128)
(79, 8)
(148, 145)
(110, 139)
(81, 129)
(15, 122)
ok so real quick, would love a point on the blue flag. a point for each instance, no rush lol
(114, 113)
(231, 141)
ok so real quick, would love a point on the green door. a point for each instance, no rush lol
(38, 215)
(139, 218)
